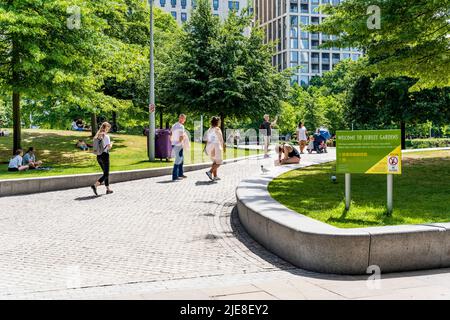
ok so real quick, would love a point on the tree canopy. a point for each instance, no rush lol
(412, 38)
(224, 69)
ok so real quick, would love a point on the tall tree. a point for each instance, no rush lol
(224, 70)
(53, 48)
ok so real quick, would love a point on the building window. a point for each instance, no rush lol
(194, 3)
(183, 4)
(304, 44)
(183, 17)
(162, 3)
(294, 43)
(294, 79)
(216, 4)
(173, 3)
(304, 20)
(294, 7)
(304, 80)
(294, 56)
(304, 8)
(174, 14)
(233, 5)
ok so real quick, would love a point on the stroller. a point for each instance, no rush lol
(320, 140)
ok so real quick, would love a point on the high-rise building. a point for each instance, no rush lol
(283, 21)
(181, 9)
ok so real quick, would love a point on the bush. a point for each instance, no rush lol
(427, 143)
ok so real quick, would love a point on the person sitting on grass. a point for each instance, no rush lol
(15, 164)
(29, 159)
(287, 154)
(81, 144)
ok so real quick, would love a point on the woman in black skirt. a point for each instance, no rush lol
(103, 157)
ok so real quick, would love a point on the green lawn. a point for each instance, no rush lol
(57, 149)
(421, 193)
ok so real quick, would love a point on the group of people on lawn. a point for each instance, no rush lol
(21, 162)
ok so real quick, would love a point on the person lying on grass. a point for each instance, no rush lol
(15, 164)
(287, 154)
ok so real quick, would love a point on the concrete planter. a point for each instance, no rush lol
(317, 246)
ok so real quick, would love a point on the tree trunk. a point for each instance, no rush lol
(17, 126)
(403, 129)
(114, 126)
(93, 124)
(15, 61)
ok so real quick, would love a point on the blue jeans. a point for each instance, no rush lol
(178, 165)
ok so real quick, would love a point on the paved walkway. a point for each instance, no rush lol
(156, 239)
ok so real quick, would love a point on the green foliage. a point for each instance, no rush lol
(412, 41)
(427, 143)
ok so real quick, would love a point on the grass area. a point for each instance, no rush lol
(421, 193)
(57, 150)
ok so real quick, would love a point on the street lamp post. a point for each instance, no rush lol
(151, 131)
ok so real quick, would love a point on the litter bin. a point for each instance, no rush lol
(163, 145)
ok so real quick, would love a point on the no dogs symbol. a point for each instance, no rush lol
(393, 163)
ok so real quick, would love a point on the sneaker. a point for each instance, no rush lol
(183, 176)
(94, 188)
(208, 173)
(109, 191)
(177, 179)
(217, 178)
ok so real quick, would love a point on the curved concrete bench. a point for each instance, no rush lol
(317, 246)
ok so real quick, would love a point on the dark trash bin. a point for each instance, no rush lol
(163, 145)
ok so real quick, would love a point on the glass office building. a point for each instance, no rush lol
(181, 9)
(283, 21)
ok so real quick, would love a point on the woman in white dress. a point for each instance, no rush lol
(214, 147)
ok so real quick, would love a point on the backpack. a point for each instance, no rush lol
(97, 146)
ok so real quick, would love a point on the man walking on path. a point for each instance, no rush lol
(266, 128)
(302, 137)
(177, 147)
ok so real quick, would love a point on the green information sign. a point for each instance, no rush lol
(369, 151)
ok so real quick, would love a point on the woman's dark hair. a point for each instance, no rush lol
(30, 149)
(18, 152)
(300, 124)
(215, 121)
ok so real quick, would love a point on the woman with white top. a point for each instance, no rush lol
(15, 164)
(302, 137)
(214, 147)
(103, 158)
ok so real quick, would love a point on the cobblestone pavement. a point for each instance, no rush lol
(150, 236)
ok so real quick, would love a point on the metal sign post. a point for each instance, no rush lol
(390, 189)
(151, 129)
(348, 187)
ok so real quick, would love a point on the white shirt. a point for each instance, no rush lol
(177, 132)
(301, 134)
(74, 126)
(212, 136)
(106, 141)
(15, 162)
